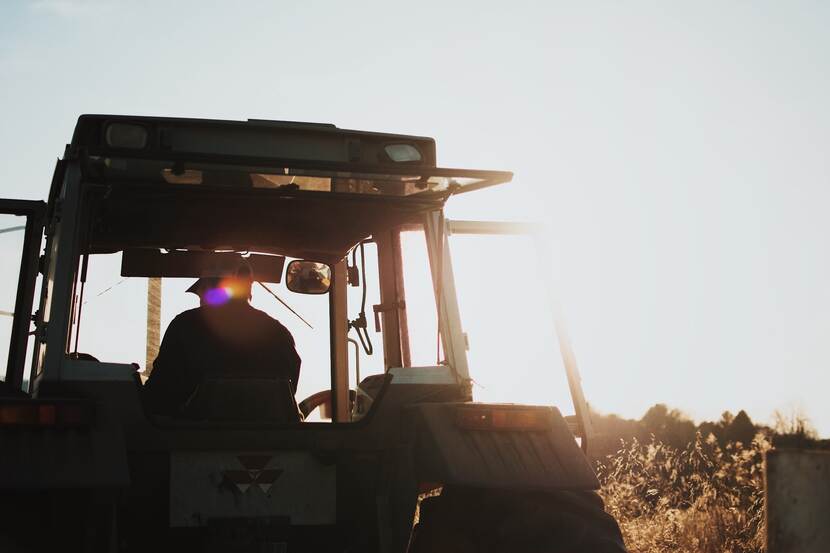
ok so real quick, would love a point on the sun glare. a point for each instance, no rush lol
(506, 315)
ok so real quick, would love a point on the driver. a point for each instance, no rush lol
(224, 337)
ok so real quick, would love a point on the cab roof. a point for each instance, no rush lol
(312, 156)
(301, 189)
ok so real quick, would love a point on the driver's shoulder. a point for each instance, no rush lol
(265, 319)
(186, 317)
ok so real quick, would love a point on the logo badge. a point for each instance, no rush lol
(254, 473)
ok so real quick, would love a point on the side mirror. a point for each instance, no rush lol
(308, 277)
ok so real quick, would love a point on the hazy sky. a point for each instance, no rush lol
(677, 152)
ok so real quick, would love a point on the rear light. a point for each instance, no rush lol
(45, 414)
(502, 418)
(402, 153)
(126, 135)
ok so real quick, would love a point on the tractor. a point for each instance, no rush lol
(399, 458)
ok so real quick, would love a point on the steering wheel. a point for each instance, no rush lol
(322, 397)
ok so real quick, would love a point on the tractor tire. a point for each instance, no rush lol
(466, 520)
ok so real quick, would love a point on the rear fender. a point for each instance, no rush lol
(89, 456)
(542, 457)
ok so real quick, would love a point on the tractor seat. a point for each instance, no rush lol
(243, 399)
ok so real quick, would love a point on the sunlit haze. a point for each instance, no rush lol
(676, 154)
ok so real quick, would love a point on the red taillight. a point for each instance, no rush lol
(502, 418)
(45, 414)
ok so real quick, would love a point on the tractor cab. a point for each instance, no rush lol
(181, 199)
(343, 237)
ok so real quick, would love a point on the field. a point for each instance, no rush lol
(703, 498)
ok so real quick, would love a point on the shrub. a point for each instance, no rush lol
(700, 499)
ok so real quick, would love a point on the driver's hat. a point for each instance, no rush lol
(204, 284)
(243, 277)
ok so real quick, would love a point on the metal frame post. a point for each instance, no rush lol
(390, 300)
(32, 239)
(339, 328)
(443, 281)
(60, 281)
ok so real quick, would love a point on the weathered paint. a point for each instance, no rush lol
(798, 501)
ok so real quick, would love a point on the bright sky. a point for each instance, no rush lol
(677, 153)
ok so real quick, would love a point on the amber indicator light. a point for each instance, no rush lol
(45, 415)
(494, 418)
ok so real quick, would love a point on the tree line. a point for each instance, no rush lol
(672, 427)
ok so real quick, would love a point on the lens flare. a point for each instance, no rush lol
(217, 296)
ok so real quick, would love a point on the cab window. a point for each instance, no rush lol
(507, 316)
(11, 244)
(110, 321)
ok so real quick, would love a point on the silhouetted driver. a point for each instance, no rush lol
(214, 359)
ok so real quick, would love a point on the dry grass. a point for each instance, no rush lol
(701, 499)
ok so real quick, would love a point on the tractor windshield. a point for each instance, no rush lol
(112, 318)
